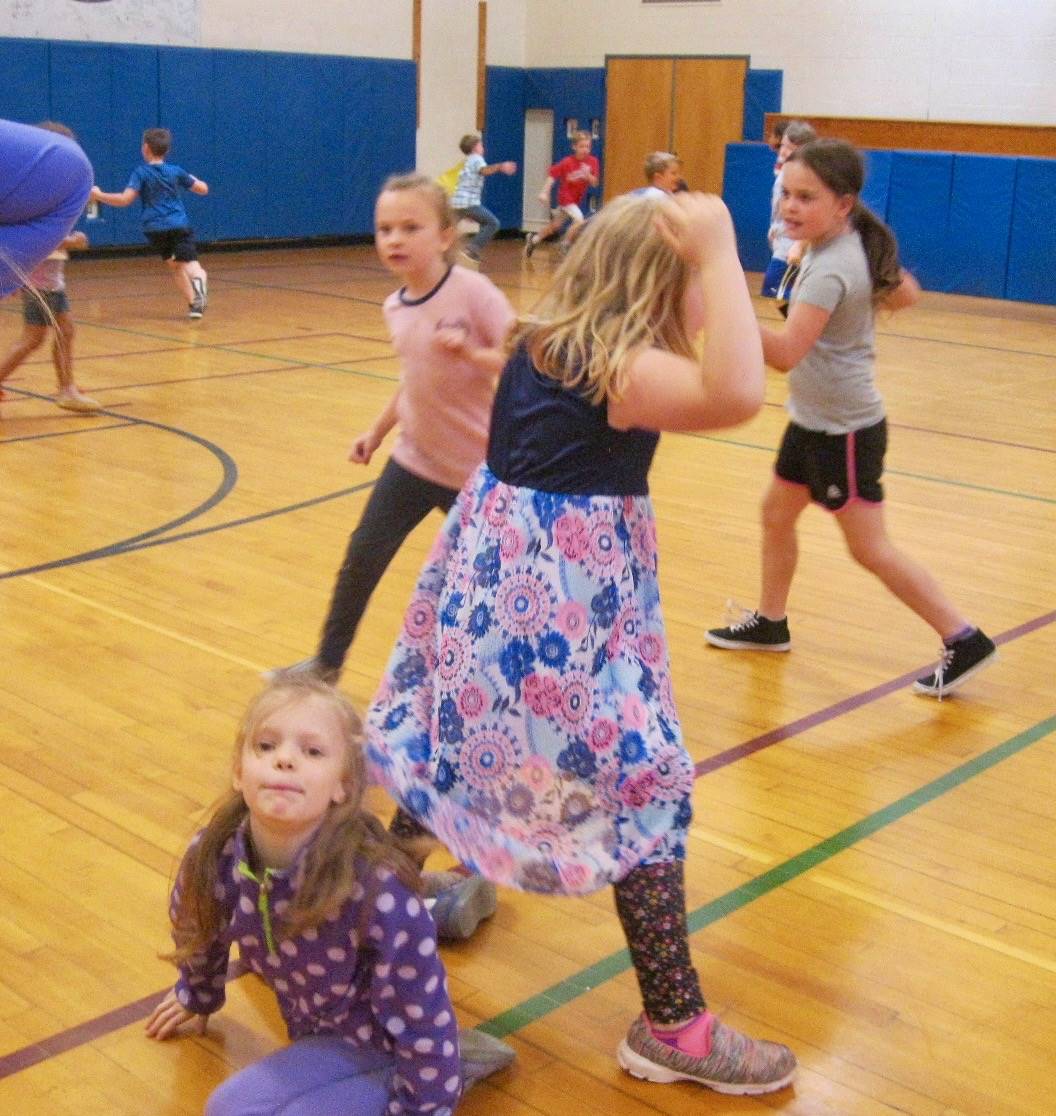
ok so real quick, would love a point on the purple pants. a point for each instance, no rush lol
(44, 183)
(314, 1076)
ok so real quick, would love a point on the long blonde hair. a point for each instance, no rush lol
(348, 837)
(621, 289)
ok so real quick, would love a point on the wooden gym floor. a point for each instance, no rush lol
(872, 875)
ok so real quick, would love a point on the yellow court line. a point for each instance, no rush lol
(885, 903)
(128, 618)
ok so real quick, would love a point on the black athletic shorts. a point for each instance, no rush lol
(174, 244)
(837, 468)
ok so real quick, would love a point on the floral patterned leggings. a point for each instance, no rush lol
(651, 905)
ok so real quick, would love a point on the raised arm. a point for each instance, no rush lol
(126, 197)
(199, 187)
(670, 392)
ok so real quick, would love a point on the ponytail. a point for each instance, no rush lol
(881, 250)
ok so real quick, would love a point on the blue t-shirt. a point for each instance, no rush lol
(158, 185)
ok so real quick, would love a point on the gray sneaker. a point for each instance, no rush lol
(736, 1064)
(458, 903)
(481, 1056)
(197, 307)
(304, 669)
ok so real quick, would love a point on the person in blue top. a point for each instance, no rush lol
(44, 184)
(166, 225)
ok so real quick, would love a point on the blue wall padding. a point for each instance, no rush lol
(876, 192)
(24, 88)
(762, 94)
(980, 224)
(746, 188)
(380, 107)
(292, 145)
(918, 210)
(238, 174)
(1031, 273)
(579, 93)
(187, 107)
(504, 139)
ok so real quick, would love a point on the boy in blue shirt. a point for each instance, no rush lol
(157, 184)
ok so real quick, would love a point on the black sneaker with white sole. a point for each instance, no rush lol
(753, 633)
(960, 660)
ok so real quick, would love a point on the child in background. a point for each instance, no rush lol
(447, 325)
(44, 304)
(325, 910)
(833, 450)
(165, 222)
(466, 200)
(776, 135)
(574, 175)
(776, 284)
(663, 175)
(526, 717)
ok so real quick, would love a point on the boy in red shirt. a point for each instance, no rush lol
(574, 175)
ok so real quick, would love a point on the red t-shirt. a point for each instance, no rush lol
(573, 177)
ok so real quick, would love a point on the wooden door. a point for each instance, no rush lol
(637, 118)
(708, 113)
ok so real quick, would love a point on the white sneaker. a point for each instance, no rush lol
(75, 400)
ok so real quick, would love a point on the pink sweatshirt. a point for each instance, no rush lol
(444, 408)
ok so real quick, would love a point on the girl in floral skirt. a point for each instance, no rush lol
(526, 716)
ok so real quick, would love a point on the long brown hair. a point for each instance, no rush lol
(348, 837)
(841, 167)
(620, 289)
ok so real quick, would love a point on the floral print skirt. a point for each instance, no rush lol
(526, 716)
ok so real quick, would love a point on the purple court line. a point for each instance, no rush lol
(101, 1025)
(91, 1030)
(848, 705)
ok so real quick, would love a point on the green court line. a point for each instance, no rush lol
(536, 1007)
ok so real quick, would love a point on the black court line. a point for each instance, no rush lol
(198, 379)
(227, 482)
(68, 433)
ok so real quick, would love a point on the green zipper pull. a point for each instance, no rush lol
(262, 900)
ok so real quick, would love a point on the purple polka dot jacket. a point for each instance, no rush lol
(371, 975)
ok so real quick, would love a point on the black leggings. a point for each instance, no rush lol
(651, 905)
(399, 501)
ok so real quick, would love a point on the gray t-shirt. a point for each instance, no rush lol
(833, 388)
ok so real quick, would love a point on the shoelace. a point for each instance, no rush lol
(945, 658)
(738, 618)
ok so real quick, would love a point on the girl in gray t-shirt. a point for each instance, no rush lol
(832, 453)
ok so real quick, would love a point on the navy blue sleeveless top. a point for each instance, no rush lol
(546, 437)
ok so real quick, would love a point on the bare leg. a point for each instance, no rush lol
(783, 504)
(864, 529)
(32, 337)
(62, 351)
(194, 271)
(178, 270)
